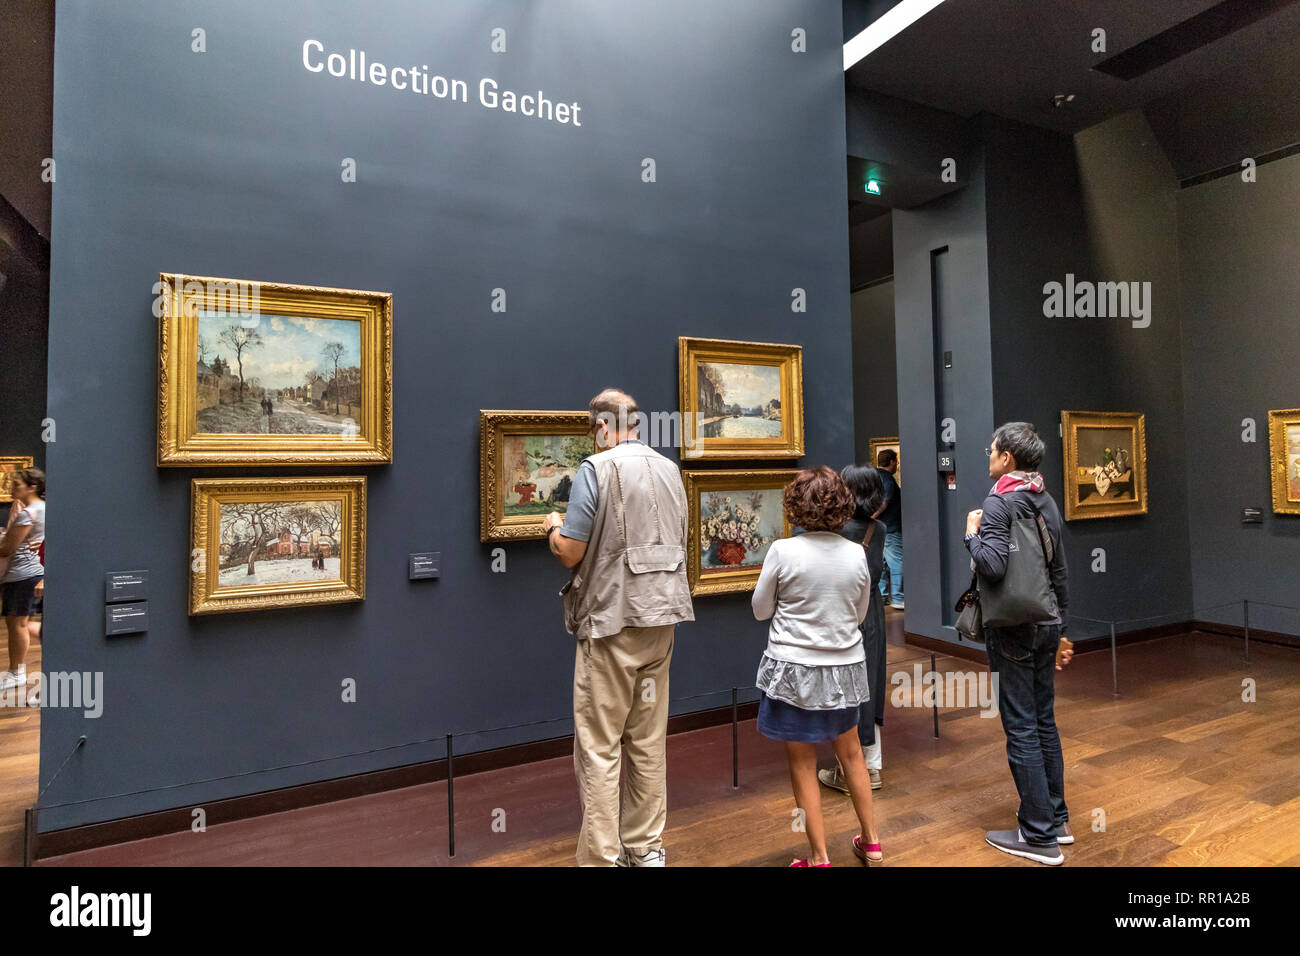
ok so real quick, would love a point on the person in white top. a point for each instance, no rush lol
(816, 589)
(19, 551)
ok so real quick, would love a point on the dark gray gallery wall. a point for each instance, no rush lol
(24, 304)
(955, 222)
(27, 82)
(1102, 208)
(875, 369)
(227, 163)
(1238, 247)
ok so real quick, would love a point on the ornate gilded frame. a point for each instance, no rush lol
(19, 462)
(789, 358)
(494, 425)
(1279, 421)
(1135, 424)
(207, 495)
(698, 482)
(179, 441)
(874, 445)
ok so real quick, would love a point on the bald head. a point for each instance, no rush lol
(615, 410)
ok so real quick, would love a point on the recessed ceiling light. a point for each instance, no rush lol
(897, 19)
(1060, 98)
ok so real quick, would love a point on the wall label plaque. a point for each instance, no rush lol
(125, 586)
(126, 618)
(425, 565)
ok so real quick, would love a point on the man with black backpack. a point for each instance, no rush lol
(1015, 546)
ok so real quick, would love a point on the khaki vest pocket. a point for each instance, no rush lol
(655, 557)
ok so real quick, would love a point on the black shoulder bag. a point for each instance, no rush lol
(1024, 594)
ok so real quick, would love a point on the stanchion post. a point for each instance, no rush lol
(451, 804)
(735, 742)
(934, 675)
(29, 836)
(1114, 663)
(1245, 624)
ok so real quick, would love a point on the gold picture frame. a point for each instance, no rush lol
(1105, 464)
(877, 445)
(511, 475)
(8, 465)
(268, 528)
(709, 570)
(760, 398)
(1284, 459)
(280, 323)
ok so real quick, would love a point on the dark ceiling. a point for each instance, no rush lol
(1231, 97)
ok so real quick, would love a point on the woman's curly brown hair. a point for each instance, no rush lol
(818, 500)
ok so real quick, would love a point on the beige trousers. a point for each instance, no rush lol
(620, 701)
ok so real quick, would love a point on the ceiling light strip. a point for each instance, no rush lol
(894, 22)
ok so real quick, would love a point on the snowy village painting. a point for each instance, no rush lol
(740, 399)
(284, 375)
(264, 543)
(527, 463)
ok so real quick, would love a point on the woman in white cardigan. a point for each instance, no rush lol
(816, 589)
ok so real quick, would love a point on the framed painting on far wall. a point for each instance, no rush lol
(740, 399)
(734, 518)
(264, 543)
(527, 463)
(264, 373)
(1105, 464)
(877, 445)
(1284, 454)
(8, 465)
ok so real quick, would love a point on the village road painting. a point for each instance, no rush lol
(274, 542)
(275, 374)
(538, 472)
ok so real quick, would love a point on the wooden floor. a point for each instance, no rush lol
(1185, 772)
(20, 748)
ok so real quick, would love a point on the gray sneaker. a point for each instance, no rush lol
(834, 779)
(875, 778)
(641, 857)
(1013, 842)
(1064, 835)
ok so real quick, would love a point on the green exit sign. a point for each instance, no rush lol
(872, 187)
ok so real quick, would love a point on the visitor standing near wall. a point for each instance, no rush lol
(891, 583)
(20, 549)
(816, 589)
(1023, 656)
(867, 530)
(624, 535)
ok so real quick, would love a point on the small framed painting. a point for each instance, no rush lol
(734, 518)
(527, 463)
(740, 399)
(877, 445)
(263, 543)
(1105, 464)
(1284, 454)
(263, 373)
(8, 465)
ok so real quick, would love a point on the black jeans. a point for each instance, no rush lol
(1024, 658)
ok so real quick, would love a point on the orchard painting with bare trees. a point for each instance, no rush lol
(274, 374)
(275, 542)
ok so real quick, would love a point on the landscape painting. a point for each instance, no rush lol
(282, 542)
(277, 374)
(740, 399)
(280, 374)
(7, 467)
(1284, 456)
(540, 470)
(527, 463)
(1105, 464)
(734, 518)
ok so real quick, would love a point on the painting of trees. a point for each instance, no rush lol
(240, 339)
(333, 354)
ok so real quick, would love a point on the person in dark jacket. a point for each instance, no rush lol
(891, 579)
(1023, 657)
(866, 529)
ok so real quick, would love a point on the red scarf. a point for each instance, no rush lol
(1019, 481)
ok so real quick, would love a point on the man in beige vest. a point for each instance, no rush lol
(624, 535)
